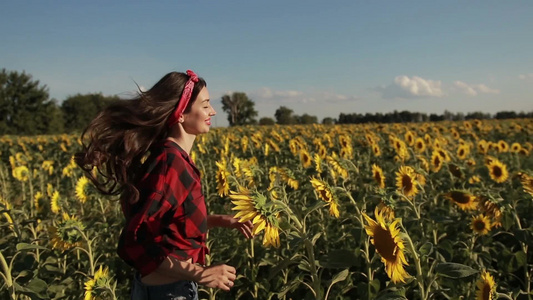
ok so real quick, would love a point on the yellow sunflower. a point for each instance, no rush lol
(222, 179)
(503, 146)
(527, 182)
(480, 224)
(497, 170)
(81, 186)
(474, 179)
(491, 209)
(336, 165)
(463, 151)
(325, 193)
(420, 146)
(388, 243)
(305, 158)
(376, 150)
(436, 161)
(21, 173)
(54, 202)
(463, 199)
(263, 215)
(95, 288)
(377, 174)
(406, 181)
(515, 147)
(486, 287)
(318, 163)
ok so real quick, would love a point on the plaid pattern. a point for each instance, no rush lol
(170, 217)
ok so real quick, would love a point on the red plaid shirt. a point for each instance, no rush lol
(170, 217)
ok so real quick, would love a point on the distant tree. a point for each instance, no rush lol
(328, 121)
(79, 110)
(306, 119)
(25, 107)
(505, 115)
(266, 121)
(284, 116)
(240, 109)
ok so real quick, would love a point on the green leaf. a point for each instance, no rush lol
(341, 276)
(26, 246)
(315, 238)
(518, 260)
(426, 249)
(454, 270)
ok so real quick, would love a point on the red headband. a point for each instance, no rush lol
(184, 100)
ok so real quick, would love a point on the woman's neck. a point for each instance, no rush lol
(184, 141)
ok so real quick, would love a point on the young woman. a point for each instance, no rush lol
(140, 148)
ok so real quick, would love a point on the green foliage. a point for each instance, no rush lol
(266, 121)
(284, 115)
(240, 109)
(25, 107)
(80, 109)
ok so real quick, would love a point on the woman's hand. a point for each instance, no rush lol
(219, 276)
(229, 221)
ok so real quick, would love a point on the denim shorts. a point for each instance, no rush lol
(179, 290)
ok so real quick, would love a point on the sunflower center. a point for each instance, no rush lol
(497, 171)
(460, 197)
(377, 177)
(407, 184)
(479, 225)
(384, 243)
(486, 292)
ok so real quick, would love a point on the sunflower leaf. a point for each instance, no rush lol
(454, 270)
(26, 246)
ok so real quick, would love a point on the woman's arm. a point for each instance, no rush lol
(228, 221)
(218, 276)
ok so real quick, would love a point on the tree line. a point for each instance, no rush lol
(26, 109)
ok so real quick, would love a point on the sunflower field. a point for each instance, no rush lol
(376, 211)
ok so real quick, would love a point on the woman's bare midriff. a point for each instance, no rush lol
(156, 278)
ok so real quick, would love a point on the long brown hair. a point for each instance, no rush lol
(119, 136)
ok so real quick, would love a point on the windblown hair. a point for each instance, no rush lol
(118, 138)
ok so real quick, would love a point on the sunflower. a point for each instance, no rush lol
(81, 186)
(325, 193)
(263, 215)
(222, 179)
(406, 181)
(463, 199)
(387, 211)
(376, 150)
(497, 170)
(377, 174)
(388, 243)
(503, 146)
(305, 158)
(244, 143)
(486, 287)
(66, 234)
(318, 162)
(480, 224)
(38, 201)
(409, 138)
(482, 147)
(436, 161)
(420, 146)
(515, 147)
(491, 209)
(463, 151)
(21, 173)
(96, 286)
(54, 202)
(336, 165)
(474, 179)
(527, 182)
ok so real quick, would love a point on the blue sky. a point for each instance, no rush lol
(317, 57)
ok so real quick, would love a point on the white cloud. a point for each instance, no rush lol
(412, 87)
(293, 96)
(474, 89)
(418, 86)
(528, 76)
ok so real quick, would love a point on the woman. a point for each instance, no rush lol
(164, 237)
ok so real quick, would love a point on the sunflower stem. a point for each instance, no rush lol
(7, 273)
(419, 274)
